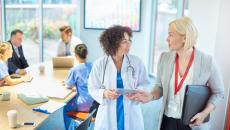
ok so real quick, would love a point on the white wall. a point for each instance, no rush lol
(221, 55)
(213, 22)
(140, 39)
(204, 14)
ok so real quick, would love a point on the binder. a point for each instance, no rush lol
(32, 97)
(195, 100)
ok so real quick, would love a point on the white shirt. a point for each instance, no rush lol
(3, 69)
(16, 50)
(174, 104)
(64, 48)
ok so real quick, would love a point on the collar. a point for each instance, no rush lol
(15, 47)
(124, 65)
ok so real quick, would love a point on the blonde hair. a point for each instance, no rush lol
(4, 46)
(185, 26)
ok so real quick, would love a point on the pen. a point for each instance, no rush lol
(29, 123)
(40, 110)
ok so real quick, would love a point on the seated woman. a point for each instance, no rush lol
(78, 77)
(6, 53)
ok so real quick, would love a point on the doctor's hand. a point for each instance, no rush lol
(132, 96)
(110, 94)
(140, 96)
(198, 119)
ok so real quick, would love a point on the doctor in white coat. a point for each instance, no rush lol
(117, 69)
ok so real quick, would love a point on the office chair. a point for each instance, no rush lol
(81, 116)
(86, 123)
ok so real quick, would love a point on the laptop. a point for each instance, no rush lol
(63, 62)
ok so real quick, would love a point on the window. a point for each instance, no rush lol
(100, 14)
(23, 15)
(168, 10)
(56, 15)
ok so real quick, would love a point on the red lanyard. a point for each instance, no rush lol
(178, 87)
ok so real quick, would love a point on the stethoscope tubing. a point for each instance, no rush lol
(129, 66)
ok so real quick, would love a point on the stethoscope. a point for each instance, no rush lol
(129, 67)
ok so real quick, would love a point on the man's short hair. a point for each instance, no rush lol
(65, 29)
(14, 32)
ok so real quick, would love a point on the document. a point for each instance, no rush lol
(49, 107)
(56, 92)
(52, 89)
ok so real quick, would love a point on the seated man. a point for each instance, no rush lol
(67, 42)
(17, 63)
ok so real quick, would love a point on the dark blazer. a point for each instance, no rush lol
(15, 62)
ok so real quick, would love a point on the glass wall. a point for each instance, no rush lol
(24, 15)
(0, 20)
(57, 13)
(168, 10)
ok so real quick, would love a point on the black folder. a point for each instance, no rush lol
(195, 100)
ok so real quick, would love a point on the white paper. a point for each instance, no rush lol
(51, 106)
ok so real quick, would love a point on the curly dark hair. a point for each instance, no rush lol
(110, 39)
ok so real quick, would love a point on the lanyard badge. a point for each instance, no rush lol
(178, 86)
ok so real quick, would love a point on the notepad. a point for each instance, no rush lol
(56, 92)
(31, 97)
(49, 107)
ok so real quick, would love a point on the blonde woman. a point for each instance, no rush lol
(183, 65)
(6, 53)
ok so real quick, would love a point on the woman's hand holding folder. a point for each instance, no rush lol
(199, 118)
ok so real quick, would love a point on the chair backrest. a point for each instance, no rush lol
(85, 124)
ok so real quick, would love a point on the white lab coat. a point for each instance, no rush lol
(106, 116)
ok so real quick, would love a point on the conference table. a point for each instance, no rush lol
(50, 77)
